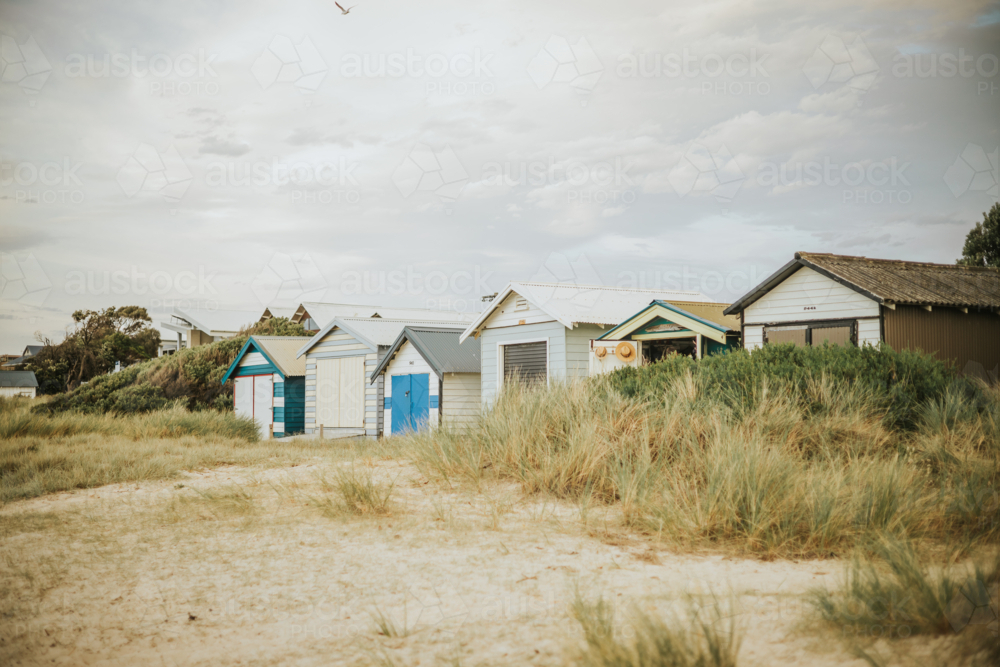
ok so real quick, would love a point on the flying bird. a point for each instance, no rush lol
(344, 11)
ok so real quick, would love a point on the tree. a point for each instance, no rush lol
(982, 245)
(98, 339)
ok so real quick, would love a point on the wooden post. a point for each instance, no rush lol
(320, 431)
(697, 346)
(270, 431)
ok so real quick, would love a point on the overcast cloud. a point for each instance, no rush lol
(236, 154)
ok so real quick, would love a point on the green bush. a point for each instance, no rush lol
(900, 382)
(191, 376)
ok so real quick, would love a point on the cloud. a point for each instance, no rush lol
(216, 146)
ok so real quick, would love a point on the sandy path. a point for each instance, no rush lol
(238, 567)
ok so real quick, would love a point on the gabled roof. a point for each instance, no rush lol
(213, 322)
(324, 313)
(572, 304)
(18, 379)
(371, 331)
(276, 311)
(710, 322)
(279, 350)
(892, 281)
(29, 352)
(439, 347)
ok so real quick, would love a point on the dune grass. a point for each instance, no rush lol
(809, 472)
(698, 637)
(41, 453)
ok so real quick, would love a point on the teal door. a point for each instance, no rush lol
(409, 404)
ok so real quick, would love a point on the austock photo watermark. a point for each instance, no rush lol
(982, 68)
(168, 75)
(601, 182)
(51, 182)
(459, 74)
(306, 182)
(459, 291)
(860, 182)
(733, 74)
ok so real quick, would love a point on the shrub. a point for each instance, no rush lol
(899, 382)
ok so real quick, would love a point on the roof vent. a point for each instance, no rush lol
(520, 303)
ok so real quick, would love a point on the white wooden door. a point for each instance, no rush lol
(263, 398)
(243, 397)
(352, 392)
(340, 392)
(327, 387)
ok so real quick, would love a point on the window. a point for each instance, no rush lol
(527, 362)
(838, 332)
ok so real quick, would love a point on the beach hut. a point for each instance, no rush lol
(946, 310)
(666, 327)
(545, 331)
(430, 378)
(340, 359)
(269, 384)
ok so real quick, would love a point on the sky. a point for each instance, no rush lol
(237, 155)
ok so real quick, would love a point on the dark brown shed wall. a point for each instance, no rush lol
(971, 340)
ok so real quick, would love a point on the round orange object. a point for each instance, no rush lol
(600, 352)
(625, 351)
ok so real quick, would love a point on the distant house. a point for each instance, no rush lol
(315, 315)
(662, 328)
(542, 331)
(340, 360)
(18, 383)
(200, 327)
(947, 310)
(29, 352)
(269, 383)
(430, 378)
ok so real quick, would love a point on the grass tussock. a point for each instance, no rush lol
(807, 469)
(893, 594)
(696, 638)
(42, 453)
(354, 492)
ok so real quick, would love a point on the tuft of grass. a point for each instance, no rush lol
(387, 626)
(699, 638)
(358, 494)
(901, 596)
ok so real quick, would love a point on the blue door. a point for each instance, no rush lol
(409, 402)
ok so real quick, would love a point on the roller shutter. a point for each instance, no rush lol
(526, 361)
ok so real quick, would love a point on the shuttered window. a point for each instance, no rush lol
(838, 333)
(831, 335)
(778, 336)
(527, 362)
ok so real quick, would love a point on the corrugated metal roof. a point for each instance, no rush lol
(18, 379)
(223, 321)
(440, 348)
(713, 312)
(914, 283)
(282, 351)
(717, 319)
(379, 330)
(572, 304)
(893, 281)
(324, 313)
(596, 304)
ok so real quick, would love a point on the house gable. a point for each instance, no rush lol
(808, 295)
(516, 310)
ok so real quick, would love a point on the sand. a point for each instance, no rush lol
(239, 567)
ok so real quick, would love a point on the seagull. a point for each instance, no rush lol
(344, 11)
